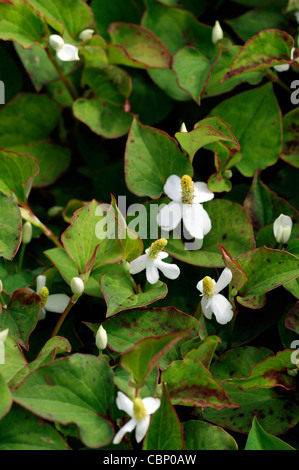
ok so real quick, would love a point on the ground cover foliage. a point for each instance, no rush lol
(104, 345)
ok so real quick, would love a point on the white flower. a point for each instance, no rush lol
(282, 228)
(152, 261)
(186, 205)
(139, 411)
(77, 286)
(212, 301)
(217, 32)
(86, 34)
(285, 67)
(53, 303)
(101, 338)
(64, 52)
(3, 335)
(183, 127)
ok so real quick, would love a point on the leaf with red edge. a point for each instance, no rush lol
(292, 318)
(240, 278)
(272, 372)
(266, 49)
(290, 145)
(189, 383)
(147, 353)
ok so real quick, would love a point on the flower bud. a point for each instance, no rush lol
(183, 127)
(77, 285)
(56, 42)
(101, 338)
(292, 372)
(27, 233)
(228, 174)
(217, 32)
(282, 228)
(86, 34)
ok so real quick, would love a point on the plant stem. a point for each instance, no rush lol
(28, 215)
(62, 76)
(2, 301)
(63, 317)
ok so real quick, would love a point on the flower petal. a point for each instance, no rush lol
(67, 53)
(141, 428)
(202, 193)
(162, 255)
(152, 273)
(170, 216)
(171, 271)
(138, 264)
(125, 404)
(40, 282)
(206, 307)
(151, 404)
(224, 279)
(172, 188)
(193, 219)
(222, 309)
(57, 303)
(128, 427)
(207, 224)
(199, 286)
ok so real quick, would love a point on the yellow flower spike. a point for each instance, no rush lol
(44, 295)
(187, 189)
(156, 247)
(208, 287)
(139, 409)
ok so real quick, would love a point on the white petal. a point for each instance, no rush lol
(172, 188)
(57, 303)
(56, 41)
(206, 307)
(3, 334)
(282, 67)
(202, 193)
(138, 264)
(282, 221)
(67, 53)
(40, 282)
(199, 286)
(207, 224)
(128, 427)
(125, 404)
(152, 273)
(224, 280)
(193, 219)
(162, 255)
(141, 428)
(222, 309)
(170, 216)
(151, 404)
(172, 271)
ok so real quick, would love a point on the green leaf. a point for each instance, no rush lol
(200, 435)
(70, 17)
(151, 156)
(189, 383)
(165, 431)
(20, 22)
(266, 269)
(38, 116)
(266, 49)
(81, 392)
(274, 411)
(10, 227)
(119, 294)
(81, 239)
(21, 315)
(271, 372)
(15, 281)
(240, 278)
(147, 353)
(259, 130)
(5, 397)
(259, 439)
(226, 218)
(203, 350)
(123, 380)
(111, 83)
(136, 46)
(21, 430)
(14, 360)
(290, 146)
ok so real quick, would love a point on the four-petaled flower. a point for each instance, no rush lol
(64, 52)
(53, 303)
(139, 411)
(151, 261)
(187, 198)
(212, 301)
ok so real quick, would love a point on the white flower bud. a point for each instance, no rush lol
(3, 335)
(86, 34)
(282, 67)
(101, 338)
(77, 285)
(27, 233)
(183, 127)
(55, 41)
(282, 228)
(217, 32)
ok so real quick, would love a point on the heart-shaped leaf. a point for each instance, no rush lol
(10, 227)
(259, 439)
